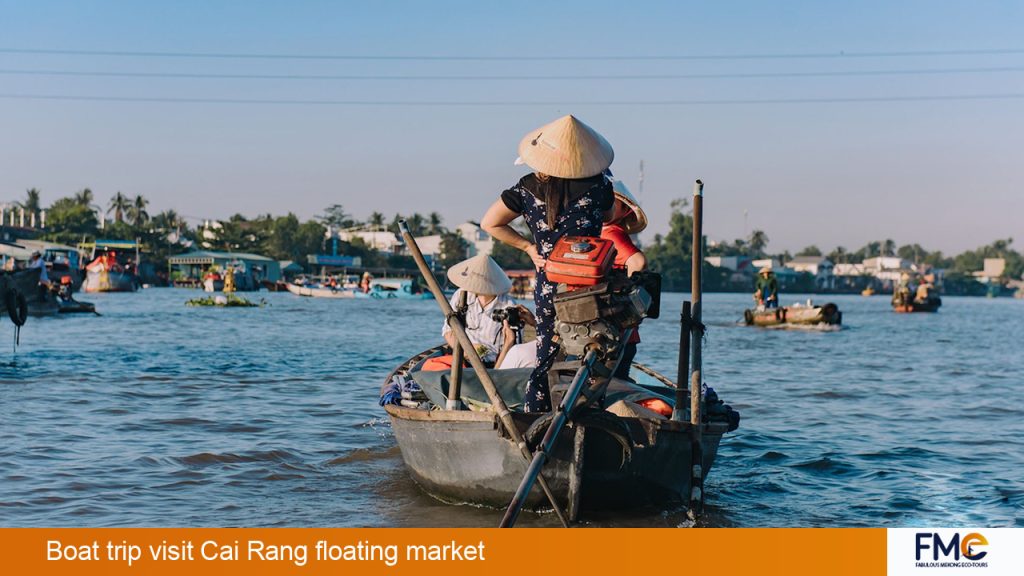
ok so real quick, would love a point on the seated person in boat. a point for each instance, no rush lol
(515, 354)
(627, 217)
(903, 290)
(767, 294)
(487, 287)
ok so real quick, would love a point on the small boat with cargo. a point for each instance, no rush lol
(798, 314)
(931, 304)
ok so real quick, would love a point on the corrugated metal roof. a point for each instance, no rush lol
(208, 256)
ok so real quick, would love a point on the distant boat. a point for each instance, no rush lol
(51, 304)
(869, 291)
(932, 304)
(828, 314)
(317, 290)
(397, 288)
(110, 270)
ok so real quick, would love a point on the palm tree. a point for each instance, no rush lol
(377, 219)
(137, 211)
(84, 197)
(119, 205)
(415, 224)
(31, 203)
(758, 242)
(434, 220)
(889, 248)
(838, 256)
(168, 221)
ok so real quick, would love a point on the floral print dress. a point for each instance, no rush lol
(583, 217)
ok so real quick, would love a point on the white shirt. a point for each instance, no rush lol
(41, 264)
(480, 327)
(521, 356)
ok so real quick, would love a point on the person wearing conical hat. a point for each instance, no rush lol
(487, 287)
(566, 194)
(627, 218)
(767, 293)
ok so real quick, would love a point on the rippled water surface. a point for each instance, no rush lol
(160, 415)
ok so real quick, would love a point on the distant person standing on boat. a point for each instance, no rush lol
(487, 287)
(767, 294)
(365, 282)
(924, 289)
(627, 218)
(36, 261)
(566, 195)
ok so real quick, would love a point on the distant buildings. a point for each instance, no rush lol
(381, 240)
(818, 266)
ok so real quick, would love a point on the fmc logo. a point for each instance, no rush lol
(957, 546)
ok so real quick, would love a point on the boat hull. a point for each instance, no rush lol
(931, 305)
(461, 457)
(108, 281)
(320, 292)
(27, 283)
(828, 314)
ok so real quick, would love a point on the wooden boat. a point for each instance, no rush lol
(397, 288)
(932, 304)
(319, 291)
(51, 305)
(604, 462)
(828, 314)
(274, 286)
(112, 268)
(869, 291)
(109, 281)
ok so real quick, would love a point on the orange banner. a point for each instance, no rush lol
(224, 551)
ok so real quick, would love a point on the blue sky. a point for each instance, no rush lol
(946, 173)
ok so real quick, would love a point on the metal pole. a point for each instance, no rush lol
(683, 373)
(455, 379)
(696, 333)
(504, 414)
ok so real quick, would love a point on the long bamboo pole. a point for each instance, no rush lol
(683, 368)
(504, 414)
(455, 379)
(696, 434)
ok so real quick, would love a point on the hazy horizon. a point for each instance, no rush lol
(910, 135)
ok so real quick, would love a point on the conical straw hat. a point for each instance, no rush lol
(566, 148)
(480, 275)
(635, 222)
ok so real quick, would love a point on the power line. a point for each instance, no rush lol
(470, 103)
(469, 77)
(420, 57)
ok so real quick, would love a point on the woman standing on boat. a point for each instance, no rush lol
(566, 195)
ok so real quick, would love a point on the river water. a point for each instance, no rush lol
(156, 414)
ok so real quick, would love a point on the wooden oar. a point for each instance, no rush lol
(504, 414)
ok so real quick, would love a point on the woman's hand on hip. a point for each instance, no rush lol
(538, 261)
